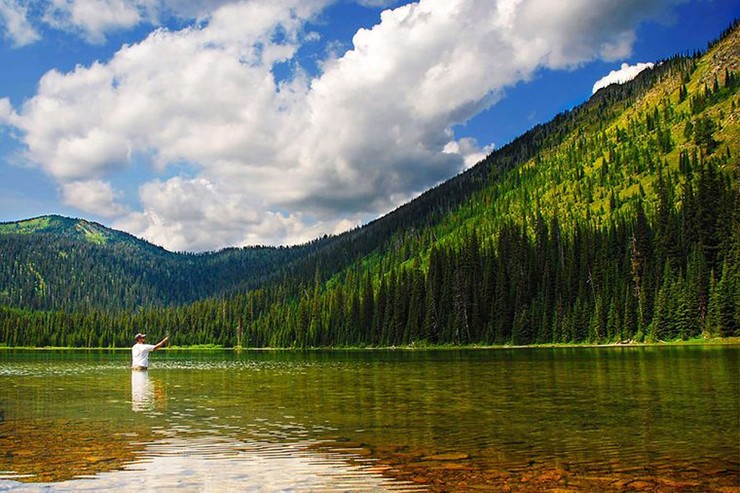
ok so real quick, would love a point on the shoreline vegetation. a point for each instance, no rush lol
(699, 341)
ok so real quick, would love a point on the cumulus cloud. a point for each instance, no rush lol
(468, 148)
(197, 214)
(92, 196)
(15, 23)
(6, 111)
(625, 74)
(94, 18)
(280, 161)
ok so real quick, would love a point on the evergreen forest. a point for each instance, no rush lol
(617, 221)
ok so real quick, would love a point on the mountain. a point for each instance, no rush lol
(617, 220)
(76, 229)
(59, 263)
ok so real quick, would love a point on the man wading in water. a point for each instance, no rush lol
(140, 352)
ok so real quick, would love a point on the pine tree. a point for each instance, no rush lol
(721, 310)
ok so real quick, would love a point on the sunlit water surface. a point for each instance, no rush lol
(579, 419)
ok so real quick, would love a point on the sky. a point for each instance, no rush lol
(199, 125)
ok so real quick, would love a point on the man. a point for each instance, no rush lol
(140, 351)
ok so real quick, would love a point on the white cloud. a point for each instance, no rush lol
(625, 74)
(6, 111)
(470, 151)
(196, 214)
(285, 161)
(94, 18)
(14, 20)
(92, 196)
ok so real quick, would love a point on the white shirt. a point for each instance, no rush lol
(140, 354)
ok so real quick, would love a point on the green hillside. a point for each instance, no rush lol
(77, 229)
(59, 263)
(616, 221)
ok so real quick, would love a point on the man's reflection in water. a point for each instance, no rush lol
(142, 391)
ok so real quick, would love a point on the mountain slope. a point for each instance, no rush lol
(615, 221)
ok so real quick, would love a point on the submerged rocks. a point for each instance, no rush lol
(449, 456)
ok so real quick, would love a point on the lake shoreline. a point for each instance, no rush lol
(715, 341)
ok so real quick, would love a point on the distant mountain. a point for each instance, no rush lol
(55, 262)
(618, 220)
(79, 229)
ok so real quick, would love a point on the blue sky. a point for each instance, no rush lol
(201, 125)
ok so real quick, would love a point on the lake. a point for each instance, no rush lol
(567, 419)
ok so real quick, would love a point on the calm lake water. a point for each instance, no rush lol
(575, 419)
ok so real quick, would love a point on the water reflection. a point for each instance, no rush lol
(542, 419)
(142, 391)
(148, 394)
(209, 463)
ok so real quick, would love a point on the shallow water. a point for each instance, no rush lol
(582, 419)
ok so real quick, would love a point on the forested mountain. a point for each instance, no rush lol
(617, 220)
(53, 262)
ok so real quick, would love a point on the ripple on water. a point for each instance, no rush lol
(214, 463)
(120, 361)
